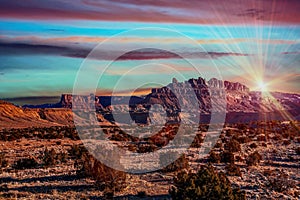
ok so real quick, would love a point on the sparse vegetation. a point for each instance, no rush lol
(77, 151)
(205, 184)
(178, 164)
(107, 179)
(280, 182)
(25, 163)
(197, 141)
(233, 170)
(214, 157)
(253, 145)
(253, 159)
(3, 162)
(57, 147)
(298, 150)
(51, 158)
(227, 157)
(141, 194)
(243, 139)
(146, 147)
(233, 146)
(54, 132)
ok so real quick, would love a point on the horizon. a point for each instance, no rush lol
(39, 100)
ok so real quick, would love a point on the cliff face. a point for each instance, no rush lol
(101, 102)
(82, 101)
(204, 91)
(236, 96)
(12, 116)
(193, 96)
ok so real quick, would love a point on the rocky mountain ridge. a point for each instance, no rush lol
(241, 104)
(200, 86)
(236, 96)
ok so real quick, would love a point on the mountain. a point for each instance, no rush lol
(241, 104)
(101, 102)
(238, 97)
(12, 116)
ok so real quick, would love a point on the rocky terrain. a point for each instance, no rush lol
(41, 154)
(12, 116)
(262, 159)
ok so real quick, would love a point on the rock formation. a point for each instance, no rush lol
(208, 96)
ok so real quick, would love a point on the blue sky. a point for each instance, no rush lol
(42, 53)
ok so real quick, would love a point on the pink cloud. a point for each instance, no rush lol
(178, 11)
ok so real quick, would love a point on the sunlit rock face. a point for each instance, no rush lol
(204, 91)
(192, 96)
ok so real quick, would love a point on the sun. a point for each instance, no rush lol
(262, 86)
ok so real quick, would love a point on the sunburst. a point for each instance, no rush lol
(263, 87)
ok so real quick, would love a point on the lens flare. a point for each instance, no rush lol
(262, 86)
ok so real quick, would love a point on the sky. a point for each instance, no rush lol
(44, 44)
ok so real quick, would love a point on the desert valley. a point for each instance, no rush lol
(257, 152)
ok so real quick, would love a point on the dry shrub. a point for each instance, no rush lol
(297, 150)
(141, 194)
(178, 164)
(254, 159)
(198, 140)
(243, 139)
(218, 144)
(253, 145)
(146, 147)
(277, 137)
(281, 182)
(227, 157)
(159, 141)
(286, 142)
(52, 158)
(205, 184)
(268, 172)
(233, 170)
(261, 138)
(3, 162)
(25, 163)
(214, 157)
(107, 179)
(233, 146)
(77, 151)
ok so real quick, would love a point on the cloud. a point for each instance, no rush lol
(92, 39)
(177, 11)
(33, 100)
(23, 48)
(151, 69)
(56, 30)
(290, 53)
(137, 92)
(15, 48)
(255, 13)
